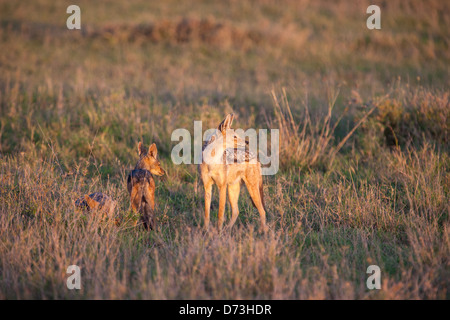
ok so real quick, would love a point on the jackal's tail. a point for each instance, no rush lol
(261, 195)
(147, 216)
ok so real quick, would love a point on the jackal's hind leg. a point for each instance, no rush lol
(148, 208)
(135, 198)
(222, 203)
(233, 196)
(208, 190)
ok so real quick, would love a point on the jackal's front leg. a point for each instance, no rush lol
(222, 202)
(208, 190)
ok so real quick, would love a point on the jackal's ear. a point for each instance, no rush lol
(152, 151)
(226, 123)
(92, 204)
(140, 148)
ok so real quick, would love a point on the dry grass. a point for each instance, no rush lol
(365, 167)
(308, 143)
(324, 231)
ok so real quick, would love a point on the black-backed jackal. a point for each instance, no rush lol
(98, 202)
(236, 164)
(141, 186)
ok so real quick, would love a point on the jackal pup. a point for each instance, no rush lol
(226, 162)
(141, 186)
(98, 202)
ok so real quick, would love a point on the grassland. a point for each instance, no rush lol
(74, 104)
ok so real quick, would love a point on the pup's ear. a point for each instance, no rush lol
(152, 151)
(226, 123)
(92, 204)
(140, 148)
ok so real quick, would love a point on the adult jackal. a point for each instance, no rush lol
(226, 162)
(141, 186)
